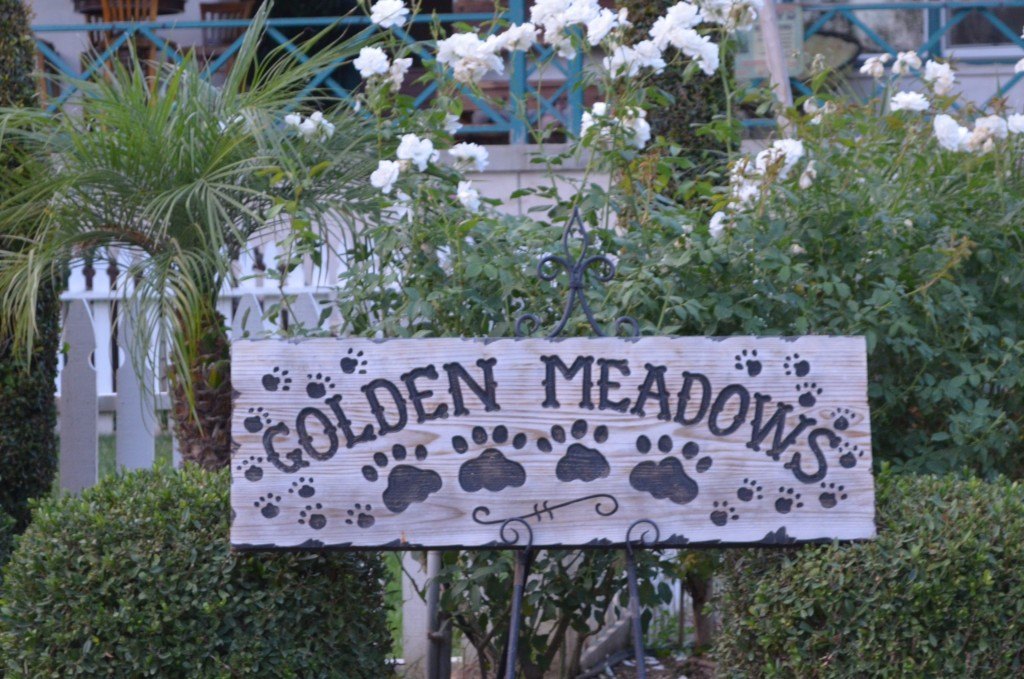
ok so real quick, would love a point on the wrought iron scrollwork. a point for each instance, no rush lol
(599, 266)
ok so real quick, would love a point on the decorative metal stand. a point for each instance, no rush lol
(549, 268)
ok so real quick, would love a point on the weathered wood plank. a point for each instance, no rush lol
(135, 438)
(436, 442)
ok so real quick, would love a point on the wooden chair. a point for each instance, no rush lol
(217, 39)
(129, 11)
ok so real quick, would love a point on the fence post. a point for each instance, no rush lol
(518, 114)
(79, 402)
(135, 433)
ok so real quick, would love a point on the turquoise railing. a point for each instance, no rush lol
(520, 114)
(516, 116)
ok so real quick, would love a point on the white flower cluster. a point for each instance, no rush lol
(471, 57)
(937, 74)
(773, 163)
(414, 151)
(373, 62)
(467, 155)
(632, 121)
(678, 29)
(733, 15)
(953, 136)
(314, 127)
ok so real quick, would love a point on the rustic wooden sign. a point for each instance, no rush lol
(396, 444)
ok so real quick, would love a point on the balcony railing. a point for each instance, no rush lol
(540, 90)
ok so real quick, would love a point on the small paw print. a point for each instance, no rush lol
(303, 487)
(794, 365)
(252, 469)
(748, 361)
(749, 490)
(318, 385)
(277, 379)
(831, 495)
(258, 418)
(722, 513)
(267, 504)
(358, 515)
(842, 419)
(310, 515)
(788, 500)
(809, 393)
(352, 361)
(849, 453)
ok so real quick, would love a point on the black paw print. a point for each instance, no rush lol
(303, 487)
(407, 484)
(310, 515)
(794, 365)
(849, 453)
(749, 490)
(318, 385)
(722, 513)
(253, 471)
(667, 478)
(809, 393)
(258, 418)
(353, 360)
(277, 379)
(490, 470)
(843, 418)
(788, 501)
(828, 498)
(267, 504)
(580, 462)
(748, 361)
(360, 517)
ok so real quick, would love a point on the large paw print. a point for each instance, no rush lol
(842, 419)
(277, 379)
(407, 484)
(490, 470)
(667, 478)
(747, 360)
(722, 512)
(353, 361)
(788, 500)
(579, 462)
(311, 515)
(831, 495)
(318, 385)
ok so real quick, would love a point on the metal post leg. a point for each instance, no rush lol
(647, 537)
(524, 557)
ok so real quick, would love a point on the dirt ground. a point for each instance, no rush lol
(666, 668)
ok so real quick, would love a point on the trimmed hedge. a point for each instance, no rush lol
(940, 593)
(28, 445)
(135, 578)
(6, 541)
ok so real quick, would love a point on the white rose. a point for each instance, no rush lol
(468, 196)
(808, 176)
(994, 124)
(717, 224)
(396, 74)
(370, 62)
(951, 135)
(940, 76)
(908, 101)
(420, 152)
(906, 62)
(385, 176)
(293, 120)
(469, 155)
(1015, 123)
(388, 13)
(875, 66)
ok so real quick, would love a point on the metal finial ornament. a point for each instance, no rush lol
(551, 266)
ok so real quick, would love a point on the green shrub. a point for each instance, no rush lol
(940, 593)
(135, 578)
(28, 448)
(6, 541)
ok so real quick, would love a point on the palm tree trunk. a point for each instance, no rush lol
(201, 400)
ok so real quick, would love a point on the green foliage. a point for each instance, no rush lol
(28, 452)
(940, 593)
(918, 249)
(567, 591)
(7, 525)
(135, 578)
(17, 49)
